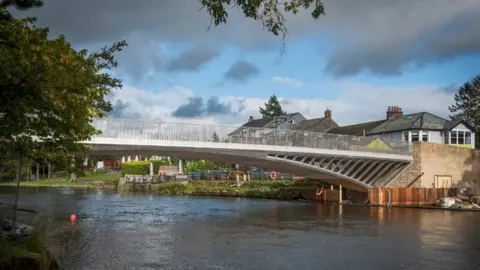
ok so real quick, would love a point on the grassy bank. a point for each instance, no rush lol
(285, 190)
(90, 180)
(27, 253)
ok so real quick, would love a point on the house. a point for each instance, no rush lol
(264, 126)
(318, 124)
(404, 129)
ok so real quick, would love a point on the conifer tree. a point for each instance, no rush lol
(272, 108)
(467, 105)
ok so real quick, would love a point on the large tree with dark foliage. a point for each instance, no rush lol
(272, 108)
(467, 105)
(50, 92)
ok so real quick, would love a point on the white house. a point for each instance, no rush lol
(422, 126)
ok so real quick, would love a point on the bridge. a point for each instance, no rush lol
(357, 163)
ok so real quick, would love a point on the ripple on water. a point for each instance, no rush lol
(168, 232)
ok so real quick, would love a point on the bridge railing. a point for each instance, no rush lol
(143, 131)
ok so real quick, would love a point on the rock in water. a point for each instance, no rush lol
(16, 228)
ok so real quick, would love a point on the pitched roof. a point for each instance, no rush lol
(265, 122)
(317, 125)
(421, 120)
(357, 129)
(268, 122)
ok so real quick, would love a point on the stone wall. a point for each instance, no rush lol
(432, 159)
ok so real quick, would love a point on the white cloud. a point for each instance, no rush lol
(288, 81)
(356, 103)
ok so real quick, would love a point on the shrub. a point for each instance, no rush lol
(136, 168)
(157, 164)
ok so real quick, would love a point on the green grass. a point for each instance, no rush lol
(87, 181)
(16, 254)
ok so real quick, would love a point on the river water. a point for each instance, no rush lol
(115, 231)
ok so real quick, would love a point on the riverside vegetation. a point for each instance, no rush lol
(284, 190)
(89, 180)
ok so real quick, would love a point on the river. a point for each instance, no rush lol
(115, 231)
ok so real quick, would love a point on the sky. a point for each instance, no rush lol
(358, 59)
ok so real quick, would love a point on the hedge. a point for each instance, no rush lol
(158, 163)
(136, 168)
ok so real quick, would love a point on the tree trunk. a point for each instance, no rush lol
(37, 174)
(43, 171)
(49, 172)
(29, 171)
(19, 176)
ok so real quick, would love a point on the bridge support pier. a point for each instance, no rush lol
(340, 194)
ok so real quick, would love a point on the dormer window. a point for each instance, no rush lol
(291, 121)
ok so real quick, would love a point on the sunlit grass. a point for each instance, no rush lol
(87, 181)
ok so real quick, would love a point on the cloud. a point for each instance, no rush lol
(192, 59)
(120, 110)
(381, 37)
(357, 102)
(196, 107)
(288, 81)
(241, 71)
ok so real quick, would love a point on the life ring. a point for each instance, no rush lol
(273, 175)
(319, 191)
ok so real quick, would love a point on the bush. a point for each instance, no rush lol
(136, 168)
(157, 164)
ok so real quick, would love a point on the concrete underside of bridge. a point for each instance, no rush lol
(351, 172)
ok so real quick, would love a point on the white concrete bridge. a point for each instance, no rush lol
(354, 162)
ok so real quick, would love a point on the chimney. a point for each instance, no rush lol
(250, 119)
(328, 114)
(394, 111)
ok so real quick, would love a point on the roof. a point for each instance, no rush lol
(421, 120)
(357, 129)
(317, 125)
(268, 122)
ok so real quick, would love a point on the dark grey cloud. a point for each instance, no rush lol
(241, 71)
(192, 59)
(378, 36)
(120, 109)
(196, 107)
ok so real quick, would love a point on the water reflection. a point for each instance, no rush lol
(138, 231)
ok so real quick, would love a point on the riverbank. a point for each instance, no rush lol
(282, 190)
(22, 247)
(90, 180)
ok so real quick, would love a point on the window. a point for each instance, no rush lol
(291, 121)
(461, 137)
(468, 137)
(415, 137)
(425, 136)
(446, 135)
(405, 136)
(453, 135)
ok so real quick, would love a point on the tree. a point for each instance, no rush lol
(215, 137)
(272, 108)
(268, 12)
(50, 91)
(467, 105)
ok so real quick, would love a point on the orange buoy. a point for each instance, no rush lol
(273, 175)
(73, 218)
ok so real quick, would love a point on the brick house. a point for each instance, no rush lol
(422, 126)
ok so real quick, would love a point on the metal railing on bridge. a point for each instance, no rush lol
(145, 131)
